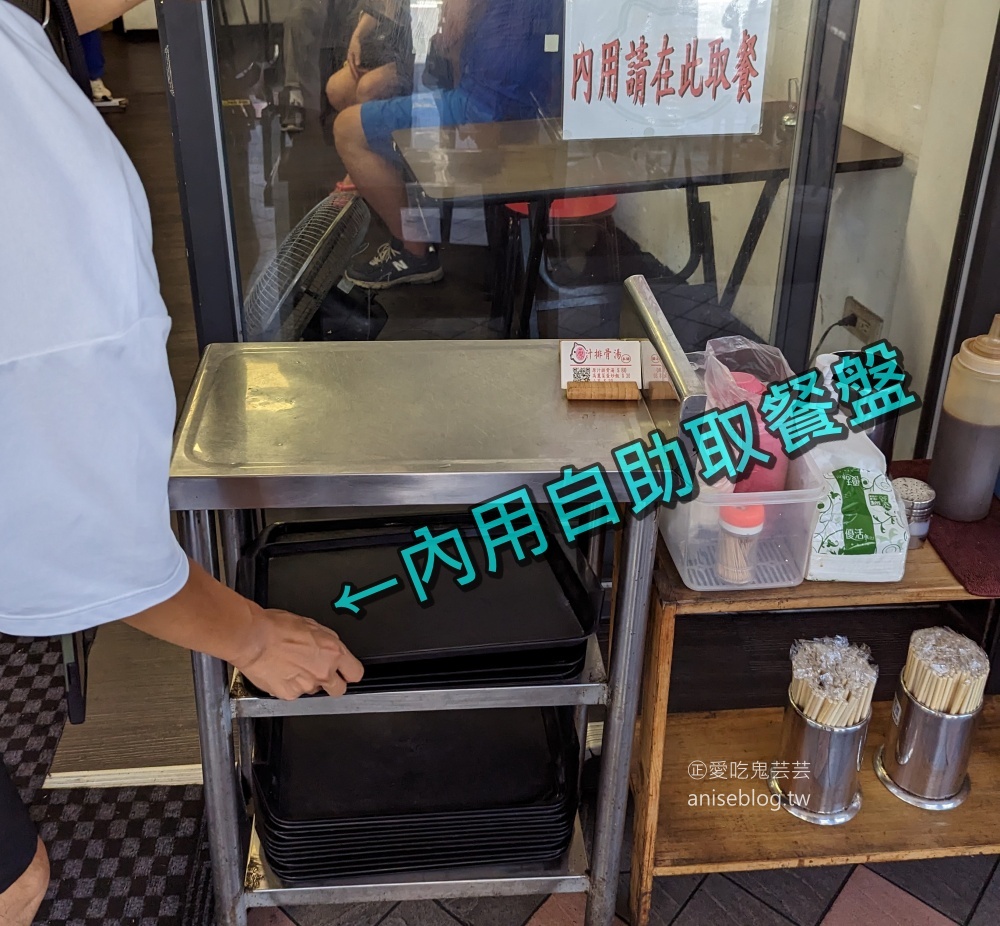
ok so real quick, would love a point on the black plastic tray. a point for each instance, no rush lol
(303, 874)
(436, 766)
(498, 676)
(540, 815)
(387, 848)
(499, 827)
(540, 605)
(539, 819)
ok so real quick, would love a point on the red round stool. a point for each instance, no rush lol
(581, 211)
(579, 207)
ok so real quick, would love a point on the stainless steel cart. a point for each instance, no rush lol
(383, 425)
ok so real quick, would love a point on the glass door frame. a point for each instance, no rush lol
(191, 72)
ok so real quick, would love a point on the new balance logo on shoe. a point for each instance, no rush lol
(392, 265)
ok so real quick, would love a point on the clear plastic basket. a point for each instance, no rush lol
(692, 532)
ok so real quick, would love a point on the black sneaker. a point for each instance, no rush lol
(392, 265)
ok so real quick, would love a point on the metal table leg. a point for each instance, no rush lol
(74, 650)
(539, 211)
(234, 535)
(756, 228)
(215, 731)
(635, 577)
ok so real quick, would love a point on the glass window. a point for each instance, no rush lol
(496, 168)
(482, 168)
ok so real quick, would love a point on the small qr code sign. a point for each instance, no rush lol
(600, 362)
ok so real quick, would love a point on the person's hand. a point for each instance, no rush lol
(354, 56)
(365, 27)
(290, 656)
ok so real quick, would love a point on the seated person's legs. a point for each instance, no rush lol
(381, 84)
(343, 89)
(380, 182)
(364, 141)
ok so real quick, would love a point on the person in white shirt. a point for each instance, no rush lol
(87, 413)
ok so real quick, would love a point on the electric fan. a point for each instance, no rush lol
(308, 264)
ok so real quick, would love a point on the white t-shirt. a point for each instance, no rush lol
(86, 402)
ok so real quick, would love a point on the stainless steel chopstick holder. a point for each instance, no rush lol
(829, 794)
(925, 758)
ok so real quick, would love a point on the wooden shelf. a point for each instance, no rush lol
(706, 839)
(927, 580)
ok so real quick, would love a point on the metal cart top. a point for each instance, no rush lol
(386, 423)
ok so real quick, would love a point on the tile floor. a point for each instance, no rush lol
(964, 891)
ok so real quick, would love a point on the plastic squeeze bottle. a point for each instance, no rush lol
(967, 448)
(762, 479)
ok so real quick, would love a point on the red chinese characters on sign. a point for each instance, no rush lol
(582, 354)
(638, 65)
(745, 71)
(610, 59)
(688, 71)
(583, 69)
(661, 79)
(718, 60)
(693, 78)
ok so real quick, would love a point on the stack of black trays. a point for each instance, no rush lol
(530, 625)
(376, 793)
(368, 794)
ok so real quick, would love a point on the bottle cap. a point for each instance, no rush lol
(742, 519)
(982, 354)
(917, 496)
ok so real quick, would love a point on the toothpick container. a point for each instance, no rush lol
(925, 758)
(831, 794)
(740, 527)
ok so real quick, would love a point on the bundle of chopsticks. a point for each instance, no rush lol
(945, 671)
(833, 681)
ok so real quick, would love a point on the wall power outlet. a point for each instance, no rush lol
(868, 327)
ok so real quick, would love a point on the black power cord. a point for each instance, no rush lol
(848, 321)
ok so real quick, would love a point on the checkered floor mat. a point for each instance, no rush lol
(32, 712)
(121, 856)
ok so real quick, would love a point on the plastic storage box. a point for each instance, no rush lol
(692, 531)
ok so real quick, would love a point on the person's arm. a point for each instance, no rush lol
(455, 17)
(282, 653)
(366, 25)
(92, 14)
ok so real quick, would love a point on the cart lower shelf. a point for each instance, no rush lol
(590, 687)
(570, 875)
(718, 837)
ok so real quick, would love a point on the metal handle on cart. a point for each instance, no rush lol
(642, 317)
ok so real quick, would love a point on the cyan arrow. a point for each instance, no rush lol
(349, 597)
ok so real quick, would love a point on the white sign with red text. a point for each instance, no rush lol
(644, 68)
(599, 362)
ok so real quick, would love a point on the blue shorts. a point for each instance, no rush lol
(380, 118)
